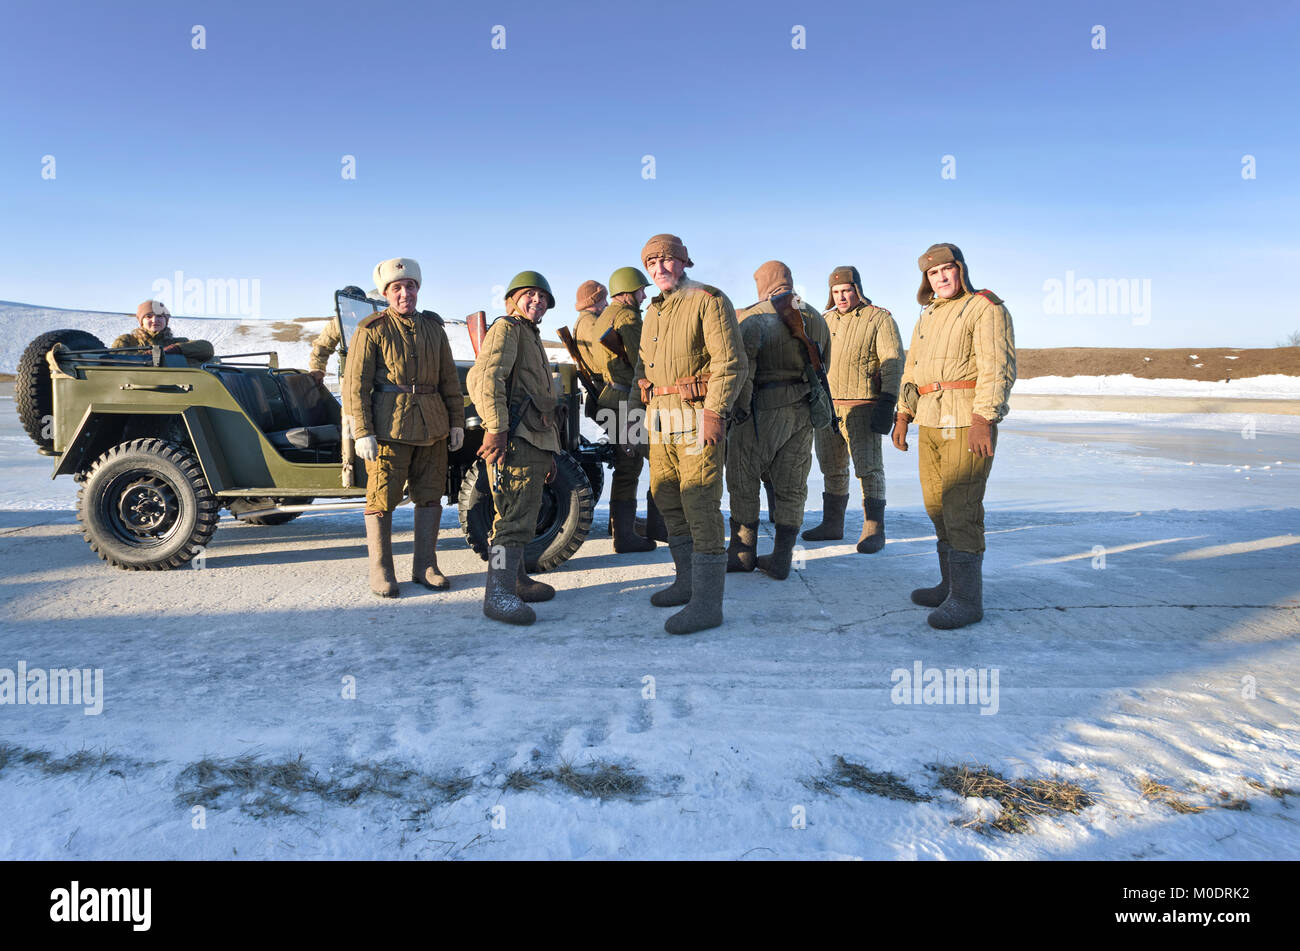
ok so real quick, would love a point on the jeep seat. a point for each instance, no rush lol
(305, 437)
(289, 408)
(305, 399)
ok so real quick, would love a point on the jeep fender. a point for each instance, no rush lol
(87, 441)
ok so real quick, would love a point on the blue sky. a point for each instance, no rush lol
(1071, 163)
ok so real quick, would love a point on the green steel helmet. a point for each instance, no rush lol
(627, 280)
(531, 279)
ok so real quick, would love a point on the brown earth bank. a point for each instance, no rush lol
(1184, 363)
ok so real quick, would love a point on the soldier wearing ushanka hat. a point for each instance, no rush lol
(956, 384)
(866, 363)
(407, 411)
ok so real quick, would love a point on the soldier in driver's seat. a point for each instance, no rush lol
(153, 318)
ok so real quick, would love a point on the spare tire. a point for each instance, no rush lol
(33, 392)
(563, 520)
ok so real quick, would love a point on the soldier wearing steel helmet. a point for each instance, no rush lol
(622, 401)
(956, 384)
(511, 387)
(407, 410)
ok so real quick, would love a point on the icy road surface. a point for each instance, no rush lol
(1142, 607)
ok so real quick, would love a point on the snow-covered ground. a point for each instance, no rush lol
(1142, 611)
(1270, 386)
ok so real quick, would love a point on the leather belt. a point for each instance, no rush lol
(415, 389)
(954, 385)
(688, 388)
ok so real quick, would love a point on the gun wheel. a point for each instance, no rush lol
(563, 520)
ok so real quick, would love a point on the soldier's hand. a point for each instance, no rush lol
(982, 436)
(712, 430)
(172, 348)
(551, 472)
(882, 413)
(901, 421)
(493, 449)
(368, 448)
(317, 375)
(456, 438)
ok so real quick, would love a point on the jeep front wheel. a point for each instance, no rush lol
(145, 506)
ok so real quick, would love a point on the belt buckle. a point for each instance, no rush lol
(938, 386)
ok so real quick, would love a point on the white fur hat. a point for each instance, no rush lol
(396, 269)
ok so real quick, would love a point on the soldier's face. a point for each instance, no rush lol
(601, 303)
(667, 273)
(845, 297)
(401, 295)
(944, 280)
(531, 302)
(154, 323)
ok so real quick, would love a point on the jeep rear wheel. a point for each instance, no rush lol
(145, 505)
(562, 522)
(33, 392)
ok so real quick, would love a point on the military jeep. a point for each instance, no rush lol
(159, 446)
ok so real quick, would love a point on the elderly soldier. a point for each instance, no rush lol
(618, 332)
(689, 371)
(327, 341)
(960, 369)
(510, 386)
(866, 365)
(407, 409)
(772, 429)
(153, 317)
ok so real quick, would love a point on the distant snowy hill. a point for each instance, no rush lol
(290, 339)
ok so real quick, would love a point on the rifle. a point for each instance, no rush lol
(793, 320)
(476, 324)
(584, 373)
(612, 341)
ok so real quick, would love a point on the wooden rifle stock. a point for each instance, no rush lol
(476, 323)
(793, 320)
(612, 341)
(584, 374)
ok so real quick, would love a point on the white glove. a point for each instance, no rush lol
(368, 448)
(456, 439)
